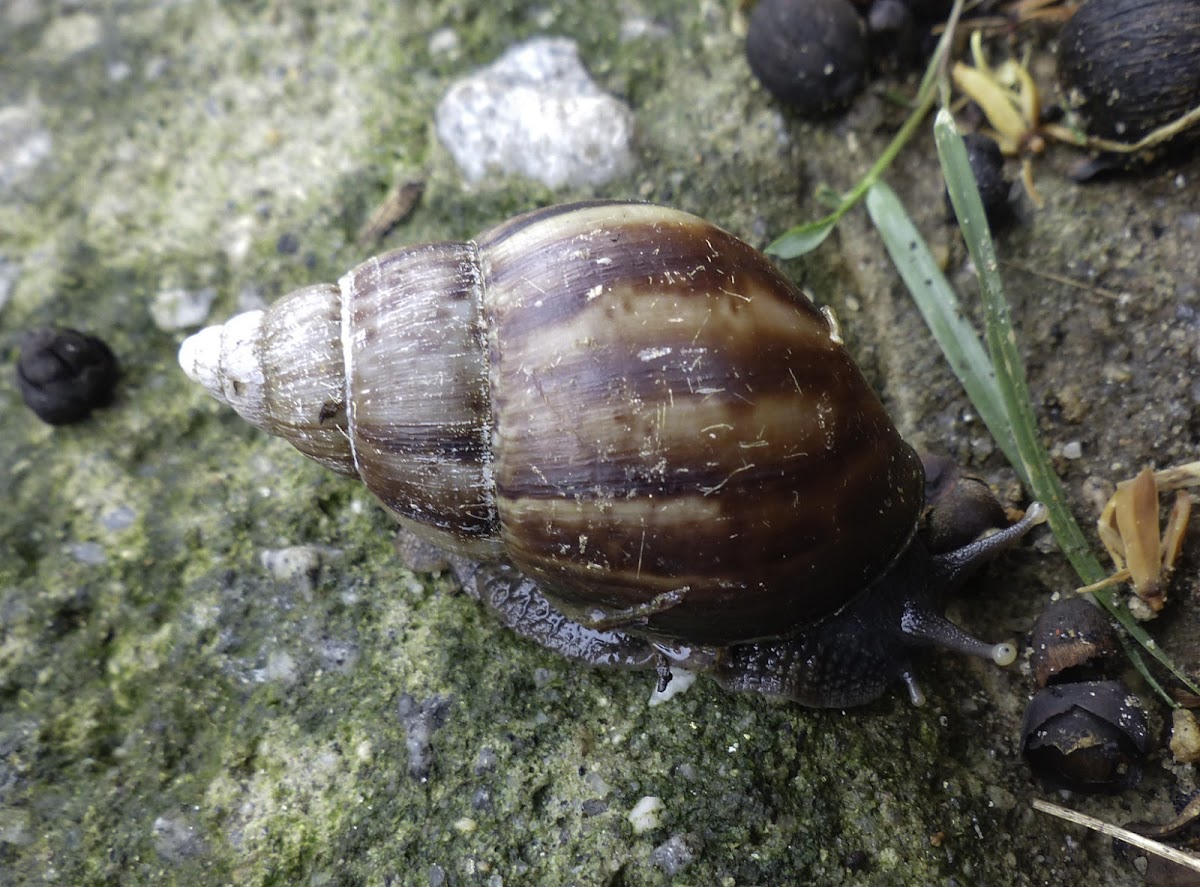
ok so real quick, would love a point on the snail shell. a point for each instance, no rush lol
(621, 400)
(1091, 736)
(659, 441)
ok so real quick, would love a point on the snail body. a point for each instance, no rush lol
(639, 442)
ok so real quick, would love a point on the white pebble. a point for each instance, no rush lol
(680, 682)
(536, 112)
(646, 814)
(177, 309)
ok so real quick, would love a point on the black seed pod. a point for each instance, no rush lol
(811, 54)
(1089, 737)
(930, 10)
(1130, 66)
(64, 374)
(1072, 640)
(987, 164)
(894, 42)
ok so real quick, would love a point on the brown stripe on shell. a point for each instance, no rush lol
(304, 392)
(696, 343)
(691, 424)
(712, 407)
(754, 560)
(697, 445)
(540, 275)
(462, 444)
(417, 377)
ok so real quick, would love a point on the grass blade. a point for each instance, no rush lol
(804, 238)
(939, 305)
(1033, 463)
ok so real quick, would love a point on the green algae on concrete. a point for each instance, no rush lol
(212, 667)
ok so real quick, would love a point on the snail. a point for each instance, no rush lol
(640, 443)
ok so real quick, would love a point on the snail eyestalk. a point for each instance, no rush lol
(938, 631)
(953, 567)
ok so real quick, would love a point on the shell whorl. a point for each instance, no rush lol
(382, 377)
(681, 443)
(633, 407)
(282, 371)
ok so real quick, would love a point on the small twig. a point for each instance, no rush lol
(400, 201)
(1061, 278)
(1121, 834)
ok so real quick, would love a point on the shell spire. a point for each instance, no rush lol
(382, 376)
(282, 371)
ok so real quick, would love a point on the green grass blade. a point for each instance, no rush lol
(804, 238)
(940, 307)
(1033, 463)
